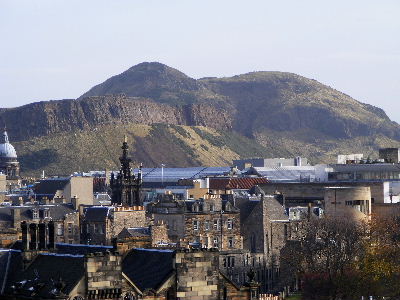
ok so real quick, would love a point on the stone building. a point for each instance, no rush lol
(265, 228)
(64, 217)
(9, 164)
(105, 274)
(209, 222)
(101, 224)
(126, 186)
(66, 276)
(180, 274)
(77, 190)
(143, 237)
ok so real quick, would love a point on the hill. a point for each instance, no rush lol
(254, 114)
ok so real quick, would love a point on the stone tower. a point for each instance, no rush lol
(126, 186)
(9, 164)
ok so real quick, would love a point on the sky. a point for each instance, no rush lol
(58, 49)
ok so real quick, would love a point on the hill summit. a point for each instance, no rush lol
(206, 121)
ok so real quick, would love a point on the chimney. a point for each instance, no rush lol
(75, 202)
(42, 236)
(16, 217)
(24, 229)
(33, 235)
(51, 239)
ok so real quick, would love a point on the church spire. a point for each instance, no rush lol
(126, 186)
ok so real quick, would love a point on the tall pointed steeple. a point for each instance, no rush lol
(126, 186)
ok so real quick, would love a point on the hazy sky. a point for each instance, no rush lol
(59, 49)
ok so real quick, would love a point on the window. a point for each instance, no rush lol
(206, 225)
(70, 229)
(230, 242)
(60, 229)
(35, 214)
(216, 224)
(46, 213)
(212, 207)
(229, 224)
(195, 225)
(216, 242)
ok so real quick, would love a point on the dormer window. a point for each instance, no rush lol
(46, 213)
(35, 214)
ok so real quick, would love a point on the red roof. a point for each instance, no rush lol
(245, 183)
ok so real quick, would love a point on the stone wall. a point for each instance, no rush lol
(127, 217)
(159, 234)
(71, 228)
(217, 229)
(103, 271)
(197, 274)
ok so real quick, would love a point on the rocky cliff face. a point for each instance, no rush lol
(43, 118)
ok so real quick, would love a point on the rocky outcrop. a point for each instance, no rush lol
(43, 118)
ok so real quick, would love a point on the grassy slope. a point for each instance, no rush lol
(152, 145)
(175, 146)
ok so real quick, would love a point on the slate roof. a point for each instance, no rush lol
(57, 211)
(97, 213)
(235, 182)
(10, 264)
(134, 232)
(48, 187)
(148, 268)
(80, 249)
(45, 269)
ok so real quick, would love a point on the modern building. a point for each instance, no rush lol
(242, 164)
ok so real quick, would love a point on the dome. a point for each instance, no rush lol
(6, 149)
